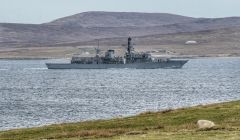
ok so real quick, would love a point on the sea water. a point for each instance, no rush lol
(31, 95)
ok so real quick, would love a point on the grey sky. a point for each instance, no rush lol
(40, 11)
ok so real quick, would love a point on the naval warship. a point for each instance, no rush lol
(131, 59)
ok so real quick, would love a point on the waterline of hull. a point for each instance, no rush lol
(173, 64)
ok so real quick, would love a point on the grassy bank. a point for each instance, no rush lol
(169, 124)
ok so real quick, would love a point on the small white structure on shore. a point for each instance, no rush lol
(191, 42)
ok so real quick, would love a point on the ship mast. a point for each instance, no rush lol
(97, 52)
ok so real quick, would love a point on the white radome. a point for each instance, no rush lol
(191, 42)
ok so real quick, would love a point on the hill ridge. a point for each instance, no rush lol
(115, 24)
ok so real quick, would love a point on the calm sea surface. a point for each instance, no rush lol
(31, 95)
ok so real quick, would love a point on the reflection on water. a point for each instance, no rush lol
(31, 95)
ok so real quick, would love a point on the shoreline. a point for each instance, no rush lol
(25, 58)
(172, 122)
(122, 117)
(117, 117)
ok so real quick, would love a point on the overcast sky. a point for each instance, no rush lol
(41, 11)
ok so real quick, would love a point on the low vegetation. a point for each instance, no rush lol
(169, 124)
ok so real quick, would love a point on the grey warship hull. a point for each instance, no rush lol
(170, 64)
(131, 60)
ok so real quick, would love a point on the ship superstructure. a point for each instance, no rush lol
(131, 59)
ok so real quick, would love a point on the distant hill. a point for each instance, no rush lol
(120, 19)
(97, 25)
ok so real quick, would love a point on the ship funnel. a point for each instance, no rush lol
(130, 45)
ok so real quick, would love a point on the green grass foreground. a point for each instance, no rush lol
(169, 124)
